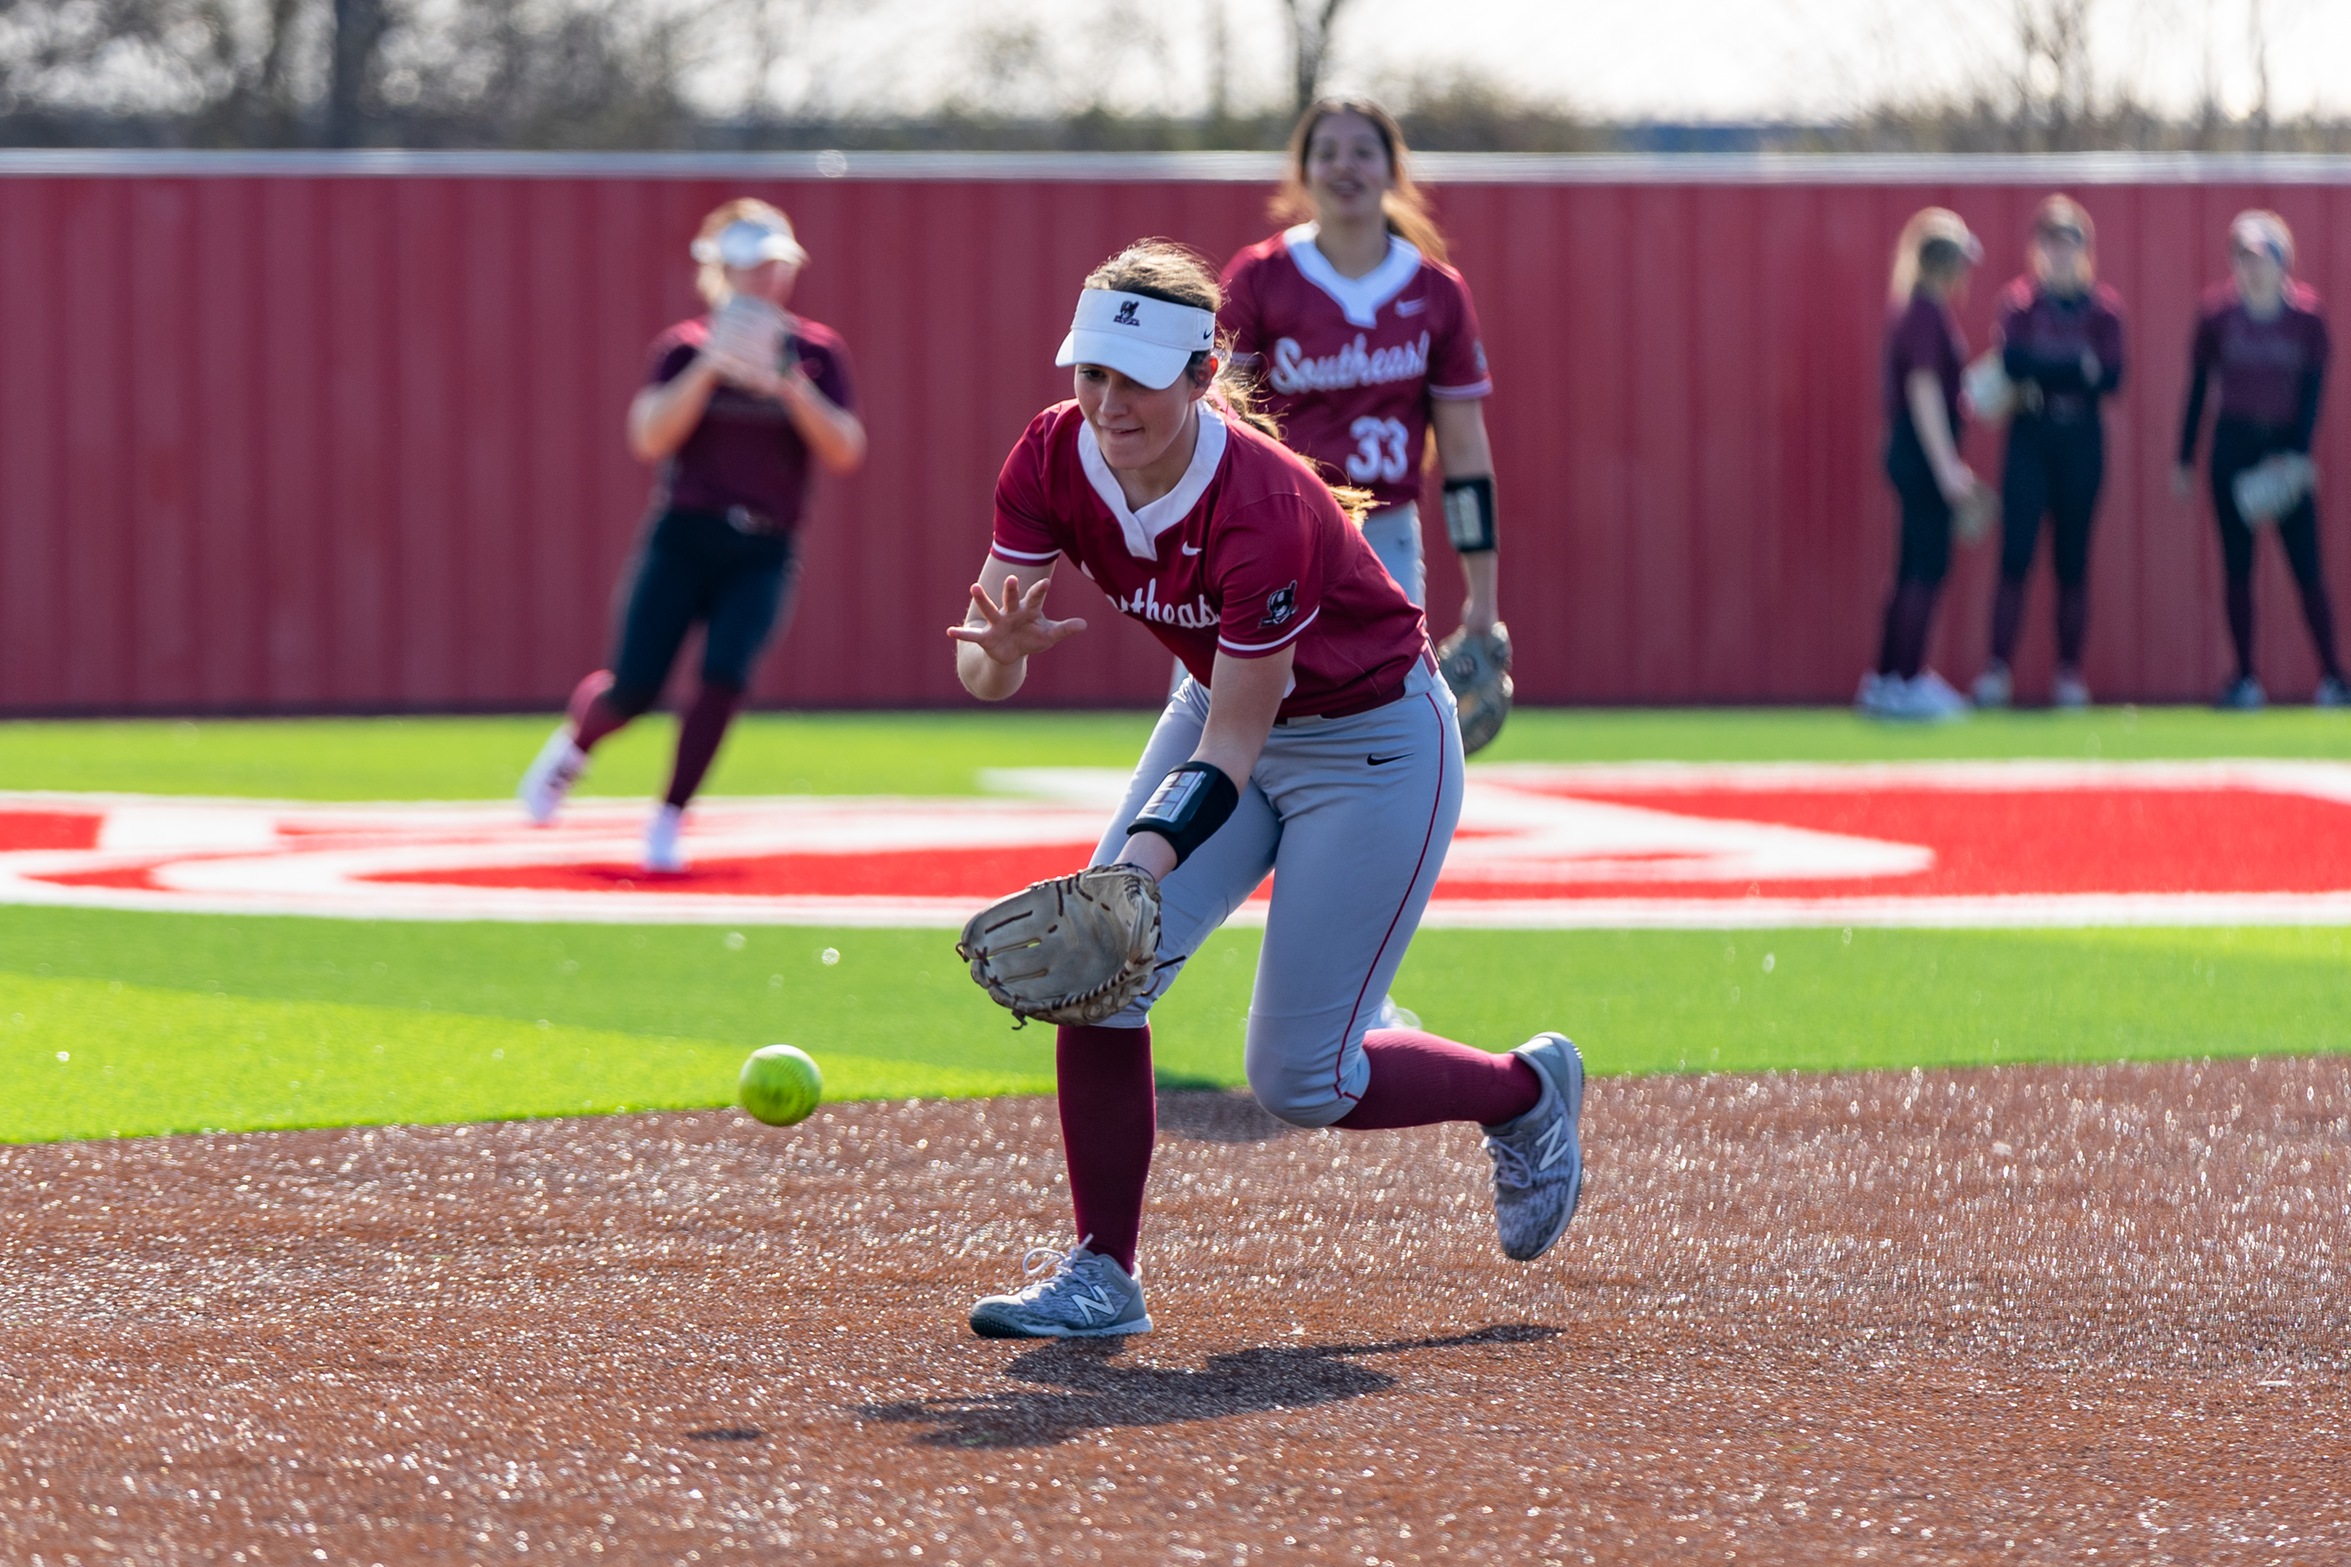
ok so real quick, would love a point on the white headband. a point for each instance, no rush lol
(1149, 339)
(746, 242)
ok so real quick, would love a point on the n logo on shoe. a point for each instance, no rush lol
(1552, 1142)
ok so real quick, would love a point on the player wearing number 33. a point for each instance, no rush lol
(1364, 342)
(1312, 741)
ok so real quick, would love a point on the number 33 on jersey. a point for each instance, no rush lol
(1349, 365)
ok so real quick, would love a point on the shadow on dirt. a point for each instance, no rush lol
(1214, 1115)
(1097, 1393)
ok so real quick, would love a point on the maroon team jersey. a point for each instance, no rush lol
(1924, 335)
(1247, 555)
(2271, 371)
(1349, 364)
(744, 452)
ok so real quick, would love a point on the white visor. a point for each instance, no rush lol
(1148, 339)
(746, 242)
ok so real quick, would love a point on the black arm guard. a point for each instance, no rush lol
(1188, 807)
(1469, 514)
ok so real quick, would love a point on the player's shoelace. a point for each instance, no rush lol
(1510, 1166)
(1044, 1261)
(1045, 1266)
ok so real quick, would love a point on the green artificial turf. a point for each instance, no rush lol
(945, 752)
(181, 1022)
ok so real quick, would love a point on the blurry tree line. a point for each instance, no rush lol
(615, 74)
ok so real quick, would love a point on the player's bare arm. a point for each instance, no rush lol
(1245, 694)
(835, 437)
(1464, 452)
(662, 417)
(1004, 625)
(1934, 433)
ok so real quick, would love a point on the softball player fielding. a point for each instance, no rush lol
(1314, 740)
(736, 405)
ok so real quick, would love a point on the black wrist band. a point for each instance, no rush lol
(1188, 807)
(1469, 514)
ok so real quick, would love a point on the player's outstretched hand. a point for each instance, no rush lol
(1017, 627)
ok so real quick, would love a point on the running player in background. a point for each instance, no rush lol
(736, 404)
(2262, 336)
(1925, 354)
(1314, 742)
(2060, 336)
(1365, 341)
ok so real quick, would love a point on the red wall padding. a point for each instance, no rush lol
(337, 440)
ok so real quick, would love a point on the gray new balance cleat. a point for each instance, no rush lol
(1083, 1294)
(1539, 1158)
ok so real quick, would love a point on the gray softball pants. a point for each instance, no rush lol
(1352, 817)
(1394, 536)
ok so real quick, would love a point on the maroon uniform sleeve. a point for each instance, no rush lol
(1918, 342)
(1022, 531)
(1457, 358)
(667, 359)
(827, 365)
(2015, 300)
(1268, 576)
(2203, 350)
(1240, 316)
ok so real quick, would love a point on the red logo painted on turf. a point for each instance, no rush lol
(2001, 843)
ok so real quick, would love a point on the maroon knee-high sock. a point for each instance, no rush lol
(1109, 1117)
(700, 729)
(592, 714)
(1419, 1079)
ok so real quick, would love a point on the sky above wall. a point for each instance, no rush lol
(1659, 59)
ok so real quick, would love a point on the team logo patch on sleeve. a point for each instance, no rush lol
(1280, 605)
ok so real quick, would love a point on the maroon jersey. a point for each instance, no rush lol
(2271, 372)
(1247, 555)
(1349, 364)
(1923, 336)
(2043, 336)
(744, 452)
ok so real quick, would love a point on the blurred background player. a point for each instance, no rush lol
(2261, 335)
(1313, 742)
(1924, 356)
(2060, 337)
(1365, 341)
(736, 404)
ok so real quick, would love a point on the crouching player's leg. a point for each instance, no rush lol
(1367, 806)
(1103, 1077)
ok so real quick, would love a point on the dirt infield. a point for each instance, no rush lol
(2025, 1315)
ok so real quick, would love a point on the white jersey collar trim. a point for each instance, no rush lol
(1143, 528)
(1358, 298)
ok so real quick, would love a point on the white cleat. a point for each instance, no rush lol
(550, 776)
(1539, 1158)
(1394, 1016)
(1934, 700)
(2069, 692)
(663, 850)
(1995, 687)
(1083, 1294)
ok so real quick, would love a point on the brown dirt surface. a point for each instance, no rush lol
(2022, 1315)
